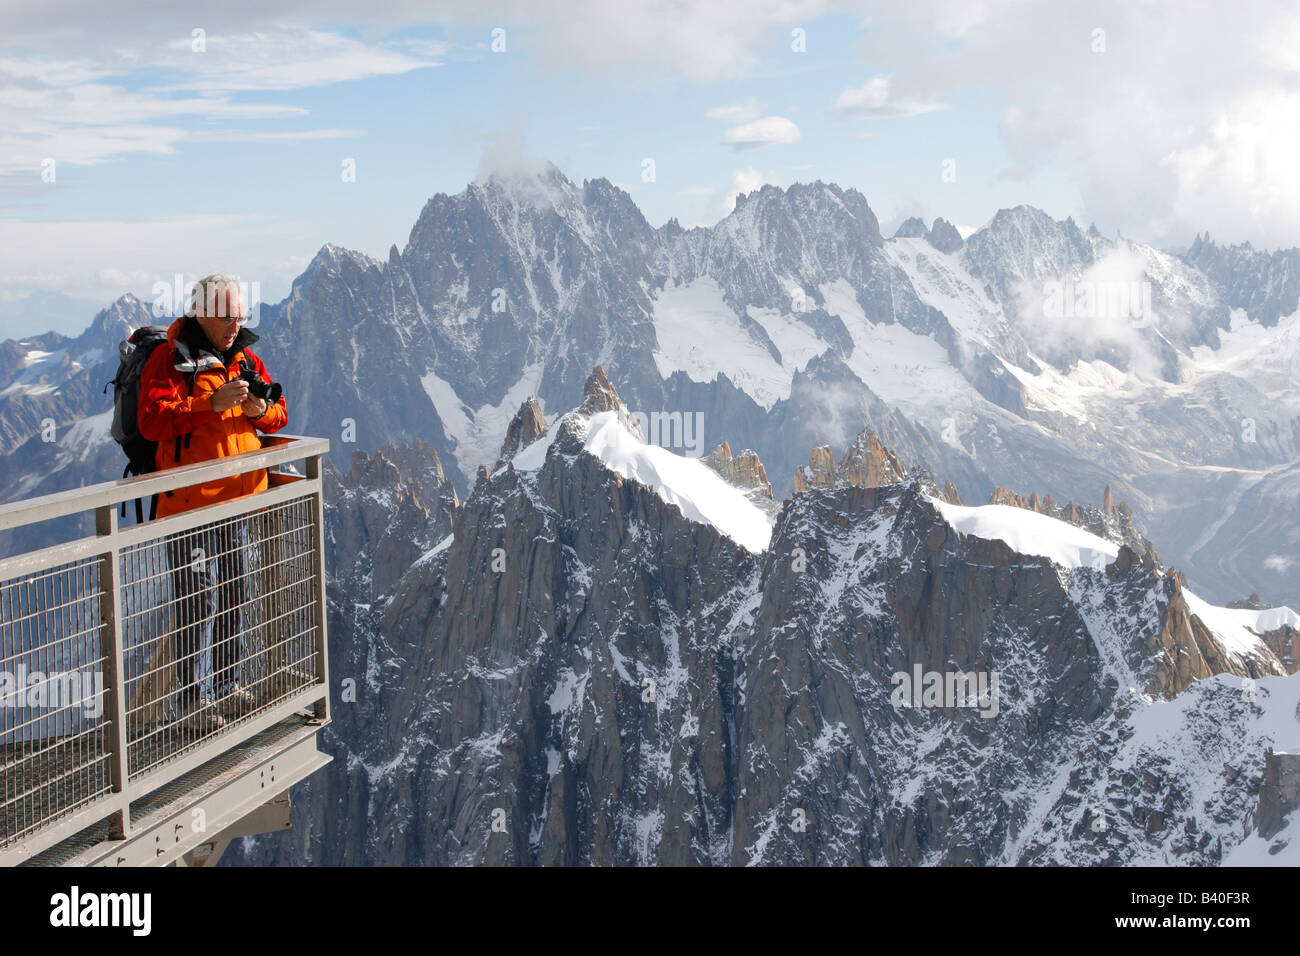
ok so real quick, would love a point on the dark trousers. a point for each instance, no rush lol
(207, 572)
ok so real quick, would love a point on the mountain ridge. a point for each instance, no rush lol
(788, 325)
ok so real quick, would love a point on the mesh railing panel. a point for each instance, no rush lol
(219, 623)
(54, 757)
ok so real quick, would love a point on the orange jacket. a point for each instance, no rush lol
(179, 416)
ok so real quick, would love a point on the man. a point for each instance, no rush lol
(196, 407)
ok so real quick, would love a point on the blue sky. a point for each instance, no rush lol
(169, 160)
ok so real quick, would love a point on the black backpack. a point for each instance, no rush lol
(140, 451)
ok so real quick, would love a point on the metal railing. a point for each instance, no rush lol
(133, 656)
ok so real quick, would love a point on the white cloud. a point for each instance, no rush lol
(90, 123)
(90, 108)
(640, 41)
(1184, 123)
(269, 136)
(1278, 562)
(875, 100)
(286, 58)
(741, 113)
(763, 132)
(1103, 305)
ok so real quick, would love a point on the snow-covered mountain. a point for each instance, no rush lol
(1035, 355)
(616, 657)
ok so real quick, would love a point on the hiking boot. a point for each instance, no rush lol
(204, 718)
(236, 702)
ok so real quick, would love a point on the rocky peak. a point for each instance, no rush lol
(744, 470)
(866, 463)
(818, 473)
(944, 236)
(113, 324)
(332, 259)
(1252, 603)
(528, 425)
(912, 228)
(510, 659)
(598, 394)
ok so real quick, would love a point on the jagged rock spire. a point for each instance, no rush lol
(818, 473)
(944, 236)
(1113, 521)
(744, 470)
(599, 395)
(867, 463)
(528, 425)
(951, 494)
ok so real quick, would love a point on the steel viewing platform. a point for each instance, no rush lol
(162, 684)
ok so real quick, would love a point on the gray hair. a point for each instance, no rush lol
(208, 292)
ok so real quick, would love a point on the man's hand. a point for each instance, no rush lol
(233, 393)
(254, 407)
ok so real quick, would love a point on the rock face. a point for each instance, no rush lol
(1265, 284)
(580, 674)
(944, 236)
(744, 470)
(867, 463)
(950, 493)
(528, 425)
(818, 473)
(1279, 795)
(912, 228)
(375, 506)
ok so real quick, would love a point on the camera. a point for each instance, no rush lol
(258, 387)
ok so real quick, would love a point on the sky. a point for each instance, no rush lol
(141, 139)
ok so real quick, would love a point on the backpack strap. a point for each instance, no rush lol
(188, 378)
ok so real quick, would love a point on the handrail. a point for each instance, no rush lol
(282, 450)
(110, 604)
